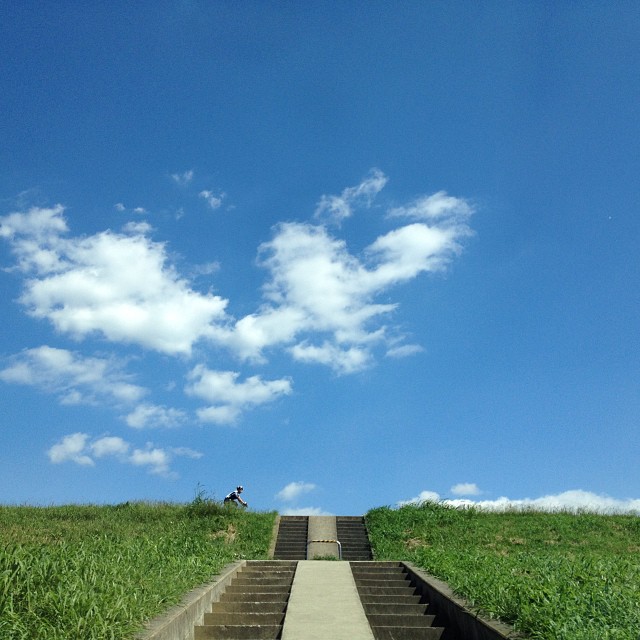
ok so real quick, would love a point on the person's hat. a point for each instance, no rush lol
(239, 488)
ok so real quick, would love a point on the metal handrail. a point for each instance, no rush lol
(328, 541)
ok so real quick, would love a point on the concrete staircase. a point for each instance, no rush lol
(254, 604)
(352, 533)
(291, 543)
(292, 598)
(394, 607)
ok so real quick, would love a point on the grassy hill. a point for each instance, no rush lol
(557, 576)
(98, 572)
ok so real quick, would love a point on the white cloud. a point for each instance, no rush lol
(576, 500)
(437, 205)
(213, 200)
(109, 446)
(219, 415)
(294, 490)
(228, 396)
(137, 228)
(322, 298)
(156, 459)
(306, 511)
(149, 415)
(76, 379)
(78, 448)
(183, 179)
(404, 351)
(465, 489)
(86, 285)
(321, 303)
(71, 448)
(119, 207)
(343, 361)
(338, 208)
(423, 496)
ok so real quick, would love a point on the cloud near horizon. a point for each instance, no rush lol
(575, 500)
(294, 490)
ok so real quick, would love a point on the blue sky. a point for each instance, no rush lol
(345, 254)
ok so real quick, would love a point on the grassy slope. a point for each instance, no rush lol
(98, 572)
(555, 576)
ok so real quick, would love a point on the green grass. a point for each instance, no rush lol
(98, 572)
(553, 576)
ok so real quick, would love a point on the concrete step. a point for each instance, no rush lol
(232, 606)
(237, 632)
(399, 620)
(387, 581)
(395, 600)
(262, 588)
(352, 533)
(243, 618)
(409, 609)
(253, 606)
(393, 605)
(386, 591)
(244, 596)
(291, 540)
(406, 633)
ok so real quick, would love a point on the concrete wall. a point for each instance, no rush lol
(179, 622)
(452, 612)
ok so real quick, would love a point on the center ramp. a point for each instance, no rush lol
(324, 603)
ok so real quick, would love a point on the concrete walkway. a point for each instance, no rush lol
(324, 603)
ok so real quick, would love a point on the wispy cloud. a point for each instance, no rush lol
(184, 178)
(74, 378)
(438, 205)
(149, 415)
(337, 208)
(81, 449)
(213, 200)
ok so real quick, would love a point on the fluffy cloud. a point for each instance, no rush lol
(76, 379)
(228, 396)
(321, 300)
(79, 448)
(71, 448)
(294, 490)
(574, 501)
(87, 285)
(465, 489)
